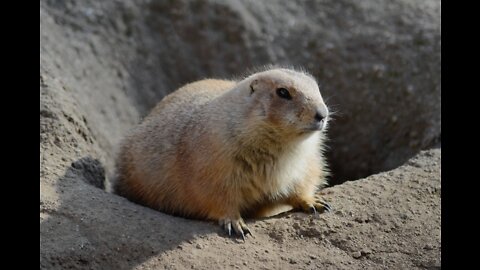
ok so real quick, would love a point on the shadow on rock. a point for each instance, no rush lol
(86, 227)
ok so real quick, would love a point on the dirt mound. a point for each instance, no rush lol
(104, 64)
(386, 221)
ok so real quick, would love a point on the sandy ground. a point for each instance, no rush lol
(386, 221)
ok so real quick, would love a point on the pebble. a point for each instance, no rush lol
(356, 254)
(428, 247)
(365, 252)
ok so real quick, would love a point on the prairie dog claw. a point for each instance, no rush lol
(238, 225)
(320, 204)
(317, 207)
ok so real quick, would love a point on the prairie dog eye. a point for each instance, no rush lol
(283, 93)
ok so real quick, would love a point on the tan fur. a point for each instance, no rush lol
(214, 149)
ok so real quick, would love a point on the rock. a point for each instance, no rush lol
(428, 247)
(356, 254)
(365, 252)
(154, 44)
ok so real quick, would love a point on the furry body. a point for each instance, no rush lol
(220, 150)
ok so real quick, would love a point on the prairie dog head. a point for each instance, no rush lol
(288, 101)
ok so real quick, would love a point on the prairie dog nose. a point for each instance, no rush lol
(319, 116)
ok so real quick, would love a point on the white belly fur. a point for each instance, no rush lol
(292, 166)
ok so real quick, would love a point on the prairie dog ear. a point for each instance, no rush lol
(253, 85)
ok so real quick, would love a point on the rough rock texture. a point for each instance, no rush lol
(104, 64)
(378, 63)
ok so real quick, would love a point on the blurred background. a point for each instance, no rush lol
(105, 64)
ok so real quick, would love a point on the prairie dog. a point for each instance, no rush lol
(220, 150)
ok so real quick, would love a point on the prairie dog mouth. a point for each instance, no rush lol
(317, 126)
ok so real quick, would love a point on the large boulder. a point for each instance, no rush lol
(378, 64)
